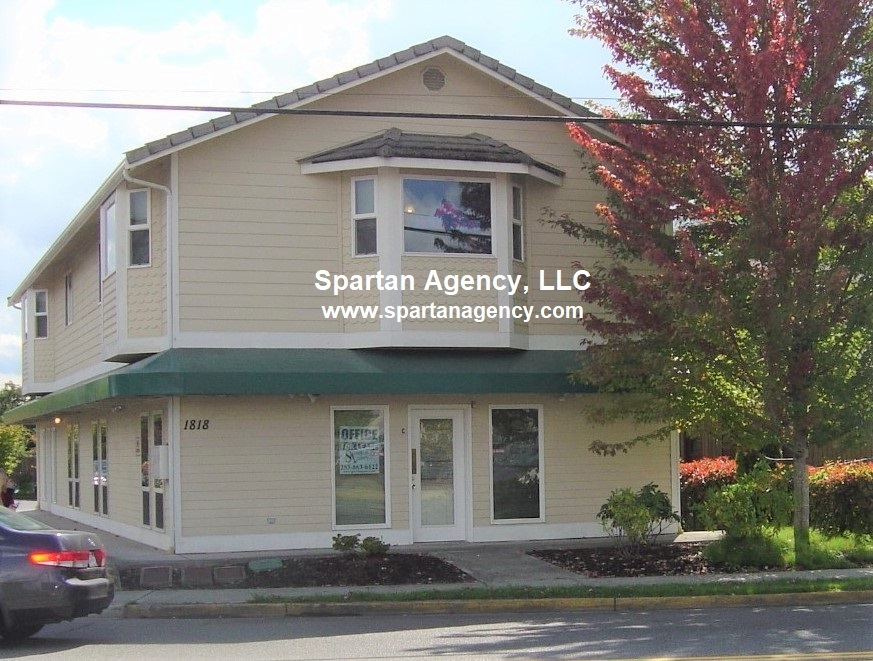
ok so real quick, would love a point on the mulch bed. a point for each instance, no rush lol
(351, 570)
(658, 560)
(358, 570)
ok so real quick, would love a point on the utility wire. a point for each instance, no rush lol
(587, 119)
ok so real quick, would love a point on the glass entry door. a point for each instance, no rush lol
(437, 474)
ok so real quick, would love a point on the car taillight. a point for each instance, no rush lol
(75, 559)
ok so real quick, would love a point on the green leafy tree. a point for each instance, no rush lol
(14, 439)
(737, 296)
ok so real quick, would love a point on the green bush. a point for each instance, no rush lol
(757, 501)
(756, 551)
(634, 519)
(374, 546)
(346, 543)
(841, 498)
(354, 543)
(698, 477)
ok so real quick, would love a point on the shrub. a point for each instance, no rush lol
(841, 498)
(736, 554)
(354, 543)
(698, 477)
(634, 519)
(755, 502)
(374, 546)
(346, 543)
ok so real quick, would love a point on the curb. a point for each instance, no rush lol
(448, 606)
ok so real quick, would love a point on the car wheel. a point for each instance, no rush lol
(20, 632)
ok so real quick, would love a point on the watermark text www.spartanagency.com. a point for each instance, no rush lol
(451, 285)
(441, 312)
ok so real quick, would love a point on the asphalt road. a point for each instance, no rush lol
(824, 632)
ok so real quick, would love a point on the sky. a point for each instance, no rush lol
(210, 52)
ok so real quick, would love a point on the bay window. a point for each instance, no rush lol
(364, 216)
(139, 228)
(447, 216)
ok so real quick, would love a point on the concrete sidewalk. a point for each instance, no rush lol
(492, 565)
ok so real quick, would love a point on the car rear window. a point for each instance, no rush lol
(16, 521)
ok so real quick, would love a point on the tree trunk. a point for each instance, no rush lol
(801, 497)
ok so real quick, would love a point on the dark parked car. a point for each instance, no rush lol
(48, 575)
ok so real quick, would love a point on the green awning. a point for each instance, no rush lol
(319, 371)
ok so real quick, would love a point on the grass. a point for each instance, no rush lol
(779, 586)
(775, 549)
(827, 552)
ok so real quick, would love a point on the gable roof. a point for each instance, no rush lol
(303, 95)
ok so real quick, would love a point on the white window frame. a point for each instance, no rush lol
(37, 314)
(540, 453)
(133, 229)
(108, 238)
(364, 216)
(387, 460)
(493, 186)
(517, 217)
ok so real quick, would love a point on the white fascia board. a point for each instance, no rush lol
(430, 164)
(79, 221)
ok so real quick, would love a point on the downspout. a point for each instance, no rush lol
(172, 408)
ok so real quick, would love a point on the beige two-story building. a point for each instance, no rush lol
(336, 312)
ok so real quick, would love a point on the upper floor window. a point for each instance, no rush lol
(40, 313)
(364, 216)
(139, 228)
(447, 216)
(68, 299)
(107, 239)
(517, 224)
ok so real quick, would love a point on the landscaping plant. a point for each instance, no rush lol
(635, 519)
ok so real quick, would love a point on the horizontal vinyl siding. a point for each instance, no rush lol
(259, 458)
(252, 236)
(420, 266)
(77, 346)
(109, 312)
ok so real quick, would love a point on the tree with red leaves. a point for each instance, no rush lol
(738, 293)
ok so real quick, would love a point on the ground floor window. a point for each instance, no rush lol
(73, 492)
(100, 457)
(360, 466)
(516, 463)
(151, 438)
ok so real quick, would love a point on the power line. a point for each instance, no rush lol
(246, 111)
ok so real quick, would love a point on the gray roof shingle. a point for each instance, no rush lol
(395, 143)
(351, 76)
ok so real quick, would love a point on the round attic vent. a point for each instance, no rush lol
(434, 79)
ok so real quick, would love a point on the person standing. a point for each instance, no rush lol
(7, 490)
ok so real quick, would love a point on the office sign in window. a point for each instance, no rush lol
(360, 468)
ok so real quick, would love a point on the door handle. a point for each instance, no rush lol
(414, 465)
